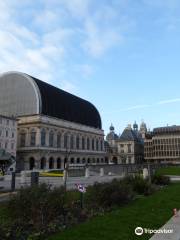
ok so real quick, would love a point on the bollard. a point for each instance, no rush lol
(13, 181)
(65, 174)
(101, 172)
(87, 172)
(175, 212)
(23, 178)
(145, 173)
(34, 178)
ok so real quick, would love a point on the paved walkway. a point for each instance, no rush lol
(55, 182)
(172, 224)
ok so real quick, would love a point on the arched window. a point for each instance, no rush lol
(83, 143)
(51, 139)
(92, 144)
(88, 144)
(84, 160)
(51, 163)
(23, 139)
(72, 160)
(78, 160)
(58, 163)
(43, 163)
(72, 142)
(32, 137)
(101, 142)
(58, 140)
(77, 142)
(97, 160)
(31, 163)
(65, 141)
(89, 160)
(97, 145)
(43, 137)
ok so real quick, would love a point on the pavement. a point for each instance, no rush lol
(173, 225)
(5, 196)
(174, 178)
(54, 182)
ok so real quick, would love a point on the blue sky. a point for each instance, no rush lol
(122, 55)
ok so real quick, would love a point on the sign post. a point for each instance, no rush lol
(82, 190)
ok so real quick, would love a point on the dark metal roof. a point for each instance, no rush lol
(168, 129)
(130, 135)
(63, 105)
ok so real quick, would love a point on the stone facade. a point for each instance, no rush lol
(47, 143)
(8, 134)
(127, 148)
(163, 145)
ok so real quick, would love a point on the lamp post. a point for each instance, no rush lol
(66, 167)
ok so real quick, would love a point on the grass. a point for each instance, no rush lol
(3, 213)
(174, 170)
(150, 212)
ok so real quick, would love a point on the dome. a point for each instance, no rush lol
(112, 135)
(111, 128)
(135, 125)
(143, 125)
(21, 95)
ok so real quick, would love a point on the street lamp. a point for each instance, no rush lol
(66, 167)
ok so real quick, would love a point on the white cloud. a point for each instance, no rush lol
(68, 86)
(49, 38)
(84, 70)
(98, 41)
(169, 101)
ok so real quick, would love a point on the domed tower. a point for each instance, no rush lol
(143, 129)
(135, 126)
(112, 136)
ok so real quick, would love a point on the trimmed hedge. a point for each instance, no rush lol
(35, 212)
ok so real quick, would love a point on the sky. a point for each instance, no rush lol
(121, 55)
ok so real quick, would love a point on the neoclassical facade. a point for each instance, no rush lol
(54, 126)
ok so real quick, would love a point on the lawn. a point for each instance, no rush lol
(150, 212)
(174, 170)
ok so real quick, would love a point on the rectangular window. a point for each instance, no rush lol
(58, 140)
(6, 145)
(22, 139)
(33, 139)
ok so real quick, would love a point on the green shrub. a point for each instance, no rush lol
(139, 185)
(161, 180)
(40, 210)
(106, 195)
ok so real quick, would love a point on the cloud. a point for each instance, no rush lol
(68, 86)
(131, 108)
(144, 106)
(51, 38)
(97, 42)
(169, 101)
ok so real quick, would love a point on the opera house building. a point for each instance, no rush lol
(54, 126)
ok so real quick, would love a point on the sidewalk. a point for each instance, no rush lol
(174, 224)
(5, 196)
